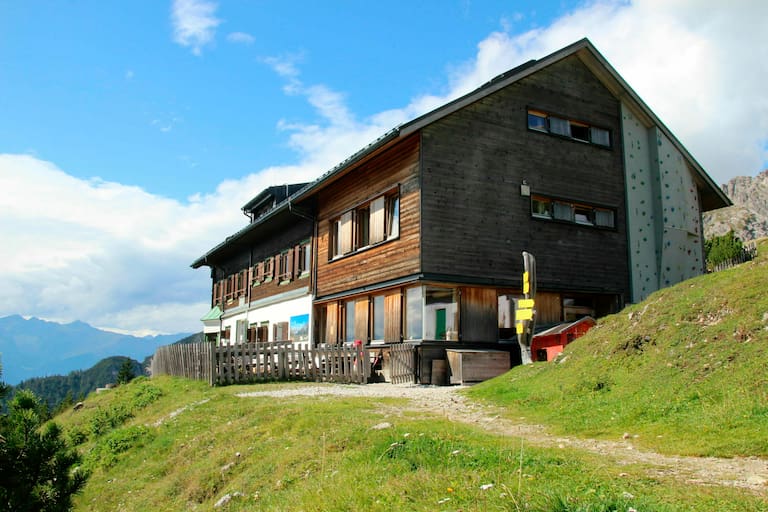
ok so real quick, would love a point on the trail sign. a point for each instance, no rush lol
(525, 310)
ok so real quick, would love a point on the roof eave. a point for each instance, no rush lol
(203, 260)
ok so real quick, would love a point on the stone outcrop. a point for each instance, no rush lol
(748, 217)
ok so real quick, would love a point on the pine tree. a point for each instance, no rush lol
(125, 375)
(36, 465)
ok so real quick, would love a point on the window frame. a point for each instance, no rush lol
(588, 212)
(364, 230)
(568, 128)
(304, 259)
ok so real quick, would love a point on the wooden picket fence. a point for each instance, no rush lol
(191, 360)
(402, 359)
(259, 362)
(748, 253)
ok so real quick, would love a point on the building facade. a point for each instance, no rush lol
(418, 237)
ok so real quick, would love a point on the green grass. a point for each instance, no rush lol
(685, 371)
(193, 444)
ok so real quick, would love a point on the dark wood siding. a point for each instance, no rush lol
(397, 166)
(253, 253)
(475, 221)
(479, 314)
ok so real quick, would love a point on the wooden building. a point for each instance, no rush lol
(261, 276)
(418, 236)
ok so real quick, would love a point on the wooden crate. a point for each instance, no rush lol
(468, 366)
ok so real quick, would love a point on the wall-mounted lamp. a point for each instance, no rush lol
(525, 189)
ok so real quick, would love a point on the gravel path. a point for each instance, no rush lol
(747, 473)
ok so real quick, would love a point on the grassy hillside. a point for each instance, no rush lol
(685, 371)
(176, 445)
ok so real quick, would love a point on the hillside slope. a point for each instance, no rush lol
(176, 445)
(684, 371)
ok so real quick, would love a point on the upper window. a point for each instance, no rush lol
(366, 225)
(578, 213)
(576, 130)
(304, 257)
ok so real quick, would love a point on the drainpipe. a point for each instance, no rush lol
(248, 291)
(313, 273)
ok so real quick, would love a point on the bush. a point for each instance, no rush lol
(107, 419)
(721, 249)
(107, 450)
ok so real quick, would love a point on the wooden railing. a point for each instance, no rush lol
(259, 362)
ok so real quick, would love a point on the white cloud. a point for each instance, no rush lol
(240, 37)
(194, 23)
(109, 254)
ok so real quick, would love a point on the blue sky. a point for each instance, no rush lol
(132, 132)
(102, 89)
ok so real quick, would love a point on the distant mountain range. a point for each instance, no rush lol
(38, 348)
(748, 217)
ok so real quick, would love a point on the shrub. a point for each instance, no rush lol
(721, 249)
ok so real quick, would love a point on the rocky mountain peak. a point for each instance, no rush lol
(748, 217)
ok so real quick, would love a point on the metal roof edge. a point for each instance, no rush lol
(312, 187)
(494, 84)
(201, 261)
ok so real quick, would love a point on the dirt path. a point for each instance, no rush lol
(747, 473)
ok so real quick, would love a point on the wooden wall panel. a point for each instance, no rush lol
(393, 317)
(475, 221)
(549, 308)
(397, 166)
(361, 320)
(479, 314)
(332, 323)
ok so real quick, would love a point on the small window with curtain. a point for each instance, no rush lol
(541, 207)
(559, 126)
(600, 136)
(576, 130)
(563, 211)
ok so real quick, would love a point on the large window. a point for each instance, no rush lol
(543, 207)
(543, 122)
(349, 321)
(368, 224)
(440, 314)
(377, 319)
(414, 310)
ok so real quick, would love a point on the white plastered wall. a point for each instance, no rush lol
(663, 212)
